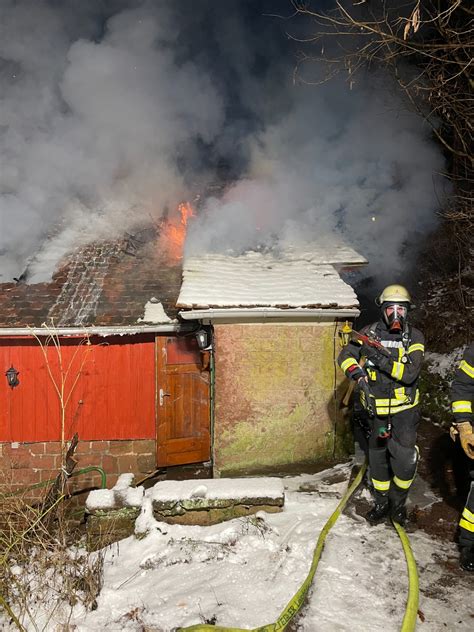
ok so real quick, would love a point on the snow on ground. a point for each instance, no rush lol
(243, 572)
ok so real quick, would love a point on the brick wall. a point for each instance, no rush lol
(24, 464)
(277, 393)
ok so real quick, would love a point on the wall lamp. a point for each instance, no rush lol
(12, 377)
(203, 337)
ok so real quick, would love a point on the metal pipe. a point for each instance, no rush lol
(212, 375)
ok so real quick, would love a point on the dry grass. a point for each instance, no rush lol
(44, 573)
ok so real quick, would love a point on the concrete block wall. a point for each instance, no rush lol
(24, 464)
(277, 392)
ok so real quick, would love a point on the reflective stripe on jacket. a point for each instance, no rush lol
(462, 388)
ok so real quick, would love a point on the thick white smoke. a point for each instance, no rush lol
(352, 165)
(106, 117)
(90, 130)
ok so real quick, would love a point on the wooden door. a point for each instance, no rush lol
(183, 402)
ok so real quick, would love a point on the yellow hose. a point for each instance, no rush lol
(295, 603)
(411, 610)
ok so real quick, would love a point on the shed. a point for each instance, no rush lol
(105, 326)
(275, 318)
(117, 324)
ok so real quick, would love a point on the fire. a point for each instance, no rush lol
(173, 232)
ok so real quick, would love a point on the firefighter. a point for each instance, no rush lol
(388, 391)
(462, 397)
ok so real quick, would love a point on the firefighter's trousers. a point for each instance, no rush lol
(393, 461)
(466, 535)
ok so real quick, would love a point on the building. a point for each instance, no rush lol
(108, 349)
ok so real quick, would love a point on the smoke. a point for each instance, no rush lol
(91, 125)
(111, 113)
(340, 165)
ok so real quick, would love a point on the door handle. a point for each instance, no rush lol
(162, 396)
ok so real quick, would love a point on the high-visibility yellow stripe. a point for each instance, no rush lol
(400, 394)
(461, 406)
(467, 368)
(397, 405)
(469, 526)
(387, 410)
(381, 486)
(416, 347)
(468, 514)
(348, 363)
(395, 401)
(397, 370)
(401, 483)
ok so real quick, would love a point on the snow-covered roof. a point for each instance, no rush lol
(325, 252)
(265, 280)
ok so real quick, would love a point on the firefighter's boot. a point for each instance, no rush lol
(467, 558)
(379, 511)
(398, 498)
(398, 513)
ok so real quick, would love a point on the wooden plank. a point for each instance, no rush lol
(112, 396)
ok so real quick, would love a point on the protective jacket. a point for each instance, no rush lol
(462, 397)
(392, 376)
(462, 389)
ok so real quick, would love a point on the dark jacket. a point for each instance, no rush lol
(462, 388)
(393, 375)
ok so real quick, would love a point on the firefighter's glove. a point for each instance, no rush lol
(466, 436)
(376, 356)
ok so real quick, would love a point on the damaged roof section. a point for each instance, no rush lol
(290, 280)
(106, 284)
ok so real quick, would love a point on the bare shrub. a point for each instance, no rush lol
(43, 572)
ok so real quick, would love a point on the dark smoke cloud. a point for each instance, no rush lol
(112, 112)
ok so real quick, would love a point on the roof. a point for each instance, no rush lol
(266, 280)
(106, 284)
(338, 255)
(131, 284)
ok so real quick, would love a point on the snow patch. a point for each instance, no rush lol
(218, 488)
(121, 495)
(154, 313)
(444, 363)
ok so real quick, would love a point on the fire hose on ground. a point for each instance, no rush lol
(296, 602)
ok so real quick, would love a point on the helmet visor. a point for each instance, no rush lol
(396, 311)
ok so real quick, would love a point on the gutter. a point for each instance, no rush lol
(171, 327)
(211, 314)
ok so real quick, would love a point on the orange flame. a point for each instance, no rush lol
(173, 232)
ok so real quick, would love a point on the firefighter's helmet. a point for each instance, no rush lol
(394, 302)
(393, 294)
